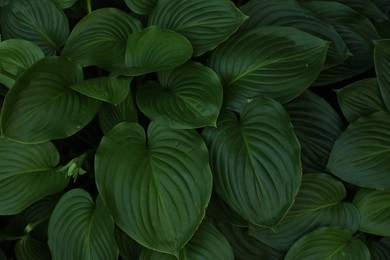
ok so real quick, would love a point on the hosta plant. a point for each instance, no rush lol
(194, 129)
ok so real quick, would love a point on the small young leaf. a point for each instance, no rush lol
(205, 23)
(189, 96)
(81, 229)
(382, 68)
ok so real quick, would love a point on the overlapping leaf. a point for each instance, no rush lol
(279, 62)
(128, 248)
(65, 3)
(318, 203)
(361, 98)
(189, 96)
(205, 23)
(317, 127)
(361, 154)
(41, 22)
(255, 157)
(41, 105)
(156, 185)
(27, 174)
(100, 39)
(374, 208)
(17, 55)
(141, 6)
(382, 69)
(81, 229)
(32, 249)
(290, 13)
(207, 243)
(367, 8)
(378, 250)
(329, 243)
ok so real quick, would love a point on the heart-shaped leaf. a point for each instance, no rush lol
(189, 96)
(207, 243)
(318, 203)
(141, 6)
(81, 229)
(156, 185)
(291, 13)
(382, 68)
(100, 39)
(255, 157)
(41, 22)
(154, 49)
(205, 23)
(109, 89)
(361, 154)
(361, 98)
(17, 55)
(41, 105)
(279, 62)
(32, 249)
(27, 174)
(329, 243)
(374, 208)
(317, 127)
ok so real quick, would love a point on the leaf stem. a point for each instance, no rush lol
(89, 6)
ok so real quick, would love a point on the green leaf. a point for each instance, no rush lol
(329, 243)
(27, 174)
(81, 229)
(65, 3)
(379, 250)
(111, 115)
(154, 49)
(100, 39)
(17, 55)
(246, 247)
(290, 13)
(41, 105)
(317, 126)
(41, 22)
(156, 185)
(255, 157)
(357, 32)
(108, 89)
(279, 62)
(360, 156)
(32, 249)
(205, 23)
(319, 203)
(382, 68)
(128, 248)
(374, 208)
(207, 243)
(141, 6)
(189, 96)
(367, 8)
(360, 98)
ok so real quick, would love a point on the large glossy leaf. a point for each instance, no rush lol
(360, 98)
(189, 96)
(378, 250)
(17, 55)
(205, 23)
(27, 174)
(329, 243)
(317, 127)
(110, 89)
(100, 39)
(155, 49)
(382, 68)
(81, 229)
(156, 184)
(361, 154)
(41, 22)
(374, 208)
(207, 243)
(279, 62)
(255, 158)
(41, 105)
(318, 203)
(111, 115)
(32, 249)
(141, 6)
(357, 32)
(290, 13)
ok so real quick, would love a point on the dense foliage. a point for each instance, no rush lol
(195, 129)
